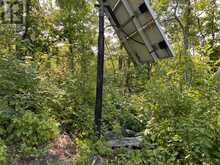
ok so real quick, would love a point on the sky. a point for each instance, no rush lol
(218, 1)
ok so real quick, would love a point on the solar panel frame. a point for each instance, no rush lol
(139, 31)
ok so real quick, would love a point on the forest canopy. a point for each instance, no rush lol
(48, 84)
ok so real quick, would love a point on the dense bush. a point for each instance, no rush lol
(71, 103)
(181, 120)
(18, 85)
(30, 132)
(48, 80)
(24, 125)
(190, 141)
(184, 124)
(2, 153)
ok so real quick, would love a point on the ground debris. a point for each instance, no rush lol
(62, 151)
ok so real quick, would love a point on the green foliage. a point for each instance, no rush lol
(2, 153)
(71, 103)
(86, 153)
(22, 122)
(31, 131)
(129, 121)
(89, 149)
(215, 58)
(185, 141)
(125, 156)
(48, 76)
(183, 125)
(18, 84)
(181, 117)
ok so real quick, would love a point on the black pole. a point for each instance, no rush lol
(100, 70)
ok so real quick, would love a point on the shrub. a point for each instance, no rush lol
(18, 85)
(29, 132)
(185, 126)
(72, 108)
(23, 124)
(2, 153)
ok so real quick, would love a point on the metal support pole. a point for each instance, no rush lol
(100, 70)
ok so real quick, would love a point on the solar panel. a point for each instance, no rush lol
(137, 28)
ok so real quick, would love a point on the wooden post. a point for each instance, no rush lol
(100, 70)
